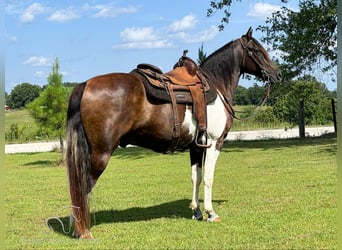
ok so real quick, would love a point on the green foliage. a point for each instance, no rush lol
(274, 194)
(22, 94)
(307, 37)
(20, 127)
(249, 96)
(240, 96)
(317, 102)
(219, 5)
(49, 109)
(201, 55)
(7, 98)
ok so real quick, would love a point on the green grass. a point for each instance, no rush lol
(20, 116)
(27, 128)
(276, 194)
(20, 127)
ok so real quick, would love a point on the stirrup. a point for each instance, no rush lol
(201, 142)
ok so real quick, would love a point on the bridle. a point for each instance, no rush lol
(248, 52)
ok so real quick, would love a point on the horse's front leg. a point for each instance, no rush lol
(209, 169)
(196, 158)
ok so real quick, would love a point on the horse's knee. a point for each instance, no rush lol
(208, 182)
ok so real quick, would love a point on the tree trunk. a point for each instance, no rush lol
(61, 144)
(301, 122)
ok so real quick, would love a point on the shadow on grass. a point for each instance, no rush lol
(43, 163)
(135, 152)
(328, 140)
(174, 210)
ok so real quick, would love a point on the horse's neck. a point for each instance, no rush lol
(225, 69)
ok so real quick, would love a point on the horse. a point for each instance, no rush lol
(114, 110)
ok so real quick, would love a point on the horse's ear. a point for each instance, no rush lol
(249, 33)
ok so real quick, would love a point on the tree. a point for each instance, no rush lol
(307, 38)
(22, 94)
(256, 94)
(49, 109)
(241, 96)
(201, 55)
(317, 102)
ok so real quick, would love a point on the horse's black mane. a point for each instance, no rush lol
(216, 52)
(221, 73)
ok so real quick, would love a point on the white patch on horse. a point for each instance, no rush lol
(190, 122)
(217, 118)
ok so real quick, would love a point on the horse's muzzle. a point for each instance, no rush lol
(275, 77)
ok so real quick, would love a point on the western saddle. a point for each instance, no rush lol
(185, 84)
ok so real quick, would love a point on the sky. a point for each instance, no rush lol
(93, 37)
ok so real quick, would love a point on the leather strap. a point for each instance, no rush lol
(177, 125)
(199, 106)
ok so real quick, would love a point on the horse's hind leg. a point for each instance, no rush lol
(99, 161)
(196, 158)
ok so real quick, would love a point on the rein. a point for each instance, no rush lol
(257, 107)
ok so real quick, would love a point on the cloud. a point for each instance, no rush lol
(107, 11)
(185, 23)
(157, 44)
(141, 38)
(201, 36)
(64, 15)
(38, 61)
(40, 74)
(11, 38)
(30, 12)
(164, 37)
(262, 10)
(138, 34)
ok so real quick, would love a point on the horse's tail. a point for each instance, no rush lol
(77, 158)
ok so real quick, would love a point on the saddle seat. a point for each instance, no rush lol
(179, 77)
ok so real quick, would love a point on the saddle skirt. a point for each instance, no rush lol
(158, 84)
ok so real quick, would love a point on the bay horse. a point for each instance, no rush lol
(113, 110)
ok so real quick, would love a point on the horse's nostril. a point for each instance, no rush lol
(279, 75)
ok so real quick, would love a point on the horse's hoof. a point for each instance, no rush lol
(86, 235)
(197, 215)
(213, 218)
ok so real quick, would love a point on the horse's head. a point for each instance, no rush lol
(256, 60)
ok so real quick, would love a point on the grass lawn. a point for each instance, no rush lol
(276, 194)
